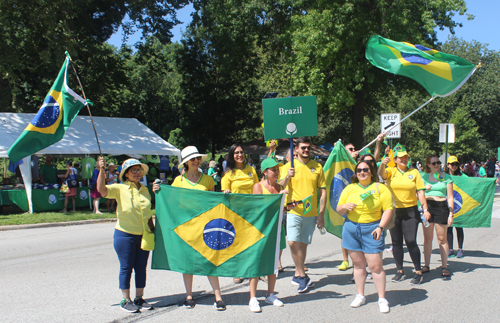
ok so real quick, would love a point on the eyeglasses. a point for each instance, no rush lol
(454, 164)
(362, 170)
(135, 170)
(436, 163)
(240, 152)
(351, 149)
(305, 148)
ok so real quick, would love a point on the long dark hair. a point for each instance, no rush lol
(450, 171)
(231, 163)
(373, 171)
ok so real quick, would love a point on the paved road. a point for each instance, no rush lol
(69, 274)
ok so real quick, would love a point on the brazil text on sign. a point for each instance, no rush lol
(387, 121)
(290, 117)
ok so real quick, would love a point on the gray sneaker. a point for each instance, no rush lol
(128, 306)
(460, 253)
(141, 303)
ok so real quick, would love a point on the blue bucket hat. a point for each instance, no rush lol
(132, 162)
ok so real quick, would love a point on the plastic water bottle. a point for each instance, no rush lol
(424, 221)
(322, 231)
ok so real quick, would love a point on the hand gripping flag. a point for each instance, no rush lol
(59, 109)
(439, 73)
(216, 234)
(473, 201)
(339, 169)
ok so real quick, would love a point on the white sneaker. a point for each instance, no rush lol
(358, 301)
(272, 299)
(254, 305)
(383, 304)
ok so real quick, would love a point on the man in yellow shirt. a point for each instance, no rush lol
(308, 178)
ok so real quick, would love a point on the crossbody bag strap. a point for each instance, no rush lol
(140, 209)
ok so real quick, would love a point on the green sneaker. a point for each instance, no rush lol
(344, 265)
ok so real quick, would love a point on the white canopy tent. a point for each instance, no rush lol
(117, 136)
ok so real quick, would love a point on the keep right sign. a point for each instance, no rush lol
(387, 121)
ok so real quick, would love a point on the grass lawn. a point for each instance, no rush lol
(51, 217)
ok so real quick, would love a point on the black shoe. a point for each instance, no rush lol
(399, 277)
(141, 303)
(417, 279)
(189, 303)
(220, 306)
(128, 306)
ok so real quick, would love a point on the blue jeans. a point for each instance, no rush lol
(131, 256)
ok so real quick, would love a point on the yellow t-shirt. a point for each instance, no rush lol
(404, 186)
(205, 183)
(308, 178)
(370, 209)
(130, 201)
(240, 180)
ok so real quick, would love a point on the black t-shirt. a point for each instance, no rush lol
(490, 168)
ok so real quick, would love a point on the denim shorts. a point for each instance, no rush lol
(358, 237)
(300, 228)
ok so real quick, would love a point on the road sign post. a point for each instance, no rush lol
(389, 120)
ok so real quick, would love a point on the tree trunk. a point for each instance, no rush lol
(357, 120)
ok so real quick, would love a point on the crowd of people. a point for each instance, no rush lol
(380, 200)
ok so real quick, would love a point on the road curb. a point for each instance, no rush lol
(54, 224)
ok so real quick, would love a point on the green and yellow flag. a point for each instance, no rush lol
(216, 234)
(439, 73)
(307, 202)
(473, 203)
(339, 169)
(59, 109)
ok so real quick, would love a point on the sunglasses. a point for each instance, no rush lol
(239, 152)
(197, 158)
(351, 149)
(305, 148)
(362, 170)
(436, 163)
(454, 164)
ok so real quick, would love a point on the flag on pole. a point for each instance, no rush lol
(307, 202)
(338, 169)
(216, 234)
(473, 201)
(439, 73)
(364, 196)
(59, 109)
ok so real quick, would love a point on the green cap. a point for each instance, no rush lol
(268, 163)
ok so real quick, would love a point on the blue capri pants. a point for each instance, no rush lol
(131, 256)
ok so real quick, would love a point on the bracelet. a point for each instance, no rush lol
(380, 227)
(424, 210)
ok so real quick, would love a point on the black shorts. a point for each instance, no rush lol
(439, 211)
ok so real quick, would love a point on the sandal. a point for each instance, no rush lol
(425, 269)
(281, 269)
(445, 272)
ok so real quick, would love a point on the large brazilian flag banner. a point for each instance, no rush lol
(338, 169)
(59, 109)
(216, 234)
(473, 201)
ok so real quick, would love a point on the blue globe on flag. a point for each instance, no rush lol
(219, 234)
(47, 114)
(339, 182)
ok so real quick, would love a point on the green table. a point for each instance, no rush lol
(49, 200)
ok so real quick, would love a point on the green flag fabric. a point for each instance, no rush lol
(216, 234)
(338, 169)
(59, 109)
(473, 197)
(439, 73)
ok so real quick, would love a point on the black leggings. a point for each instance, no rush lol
(460, 237)
(406, 225)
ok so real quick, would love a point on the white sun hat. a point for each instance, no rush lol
(191, 152)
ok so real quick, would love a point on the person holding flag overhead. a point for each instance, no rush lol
(193, 179)
(268, 185)
(308, 179)
(405, 184)
(368, 206)
(439, 195)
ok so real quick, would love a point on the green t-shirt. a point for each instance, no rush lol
(49, 173)
(482, 172)
(88, 165)
(152, 174)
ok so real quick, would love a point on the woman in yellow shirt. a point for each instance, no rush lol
(239, 177)
(405, 185)
(134, 215)
(368, 206)
(193, 179)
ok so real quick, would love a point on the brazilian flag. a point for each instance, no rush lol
(59, 109)
(217, 234)
(338, 169)
(307, 202)
(439, 73)
(473, 201)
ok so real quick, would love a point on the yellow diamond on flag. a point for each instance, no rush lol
(219, 234)
(463, 203)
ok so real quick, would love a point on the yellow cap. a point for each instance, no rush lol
(452, 159)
